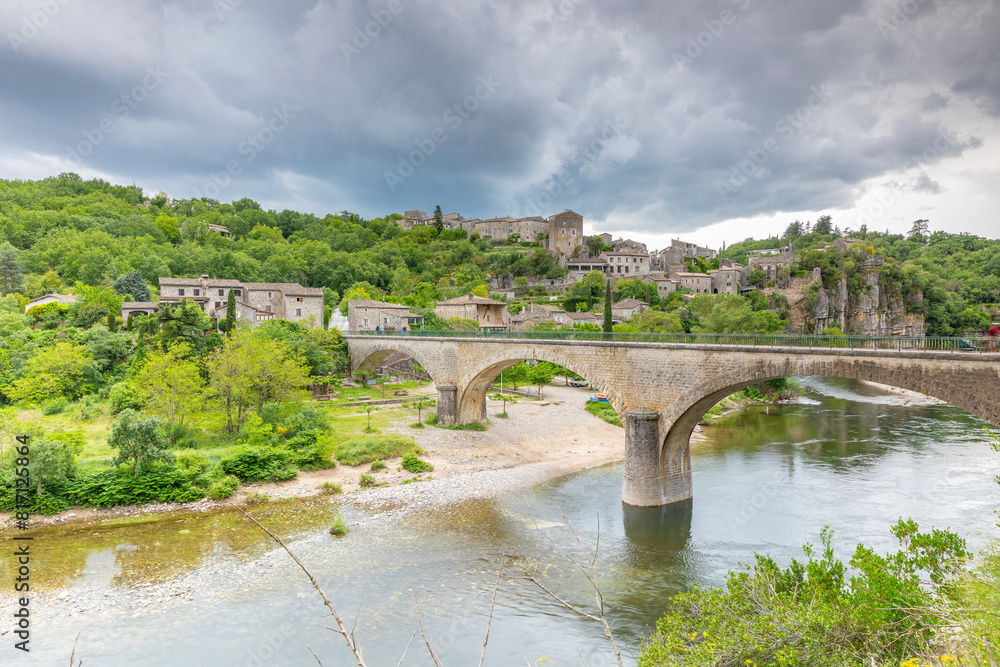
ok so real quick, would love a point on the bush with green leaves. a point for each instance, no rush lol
(330, 488)
(55, 406)
(415, 464)
(811, 614)
(124, 396)
(223, 488)
(259, 463)
(118, 486)
(378, 464)
(367, 481)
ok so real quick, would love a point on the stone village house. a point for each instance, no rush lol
(255, 302)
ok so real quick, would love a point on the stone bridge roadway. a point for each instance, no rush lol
(662, 390)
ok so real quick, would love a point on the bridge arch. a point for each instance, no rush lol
(477, 382)
(680, 418)
(379, 350)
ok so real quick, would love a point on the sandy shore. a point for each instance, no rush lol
(539, 440)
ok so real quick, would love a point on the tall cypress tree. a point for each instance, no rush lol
(230, 312)
(608, 296)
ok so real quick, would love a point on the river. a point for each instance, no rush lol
(209, 589)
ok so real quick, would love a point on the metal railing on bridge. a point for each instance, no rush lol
(758, 340)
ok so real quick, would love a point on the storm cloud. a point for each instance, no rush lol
(661, 117)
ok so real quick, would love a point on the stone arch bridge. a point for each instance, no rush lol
(662, 390)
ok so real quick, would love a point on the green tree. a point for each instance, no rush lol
(139, 440)
(182, 323)
(170, 384)
(11, 273)
(729, 313)
(250, 371)
(608, 324)
(357, 291)
(651, 320)
(757, 277)
(230, 312)
(540, 375)
(438, 220)
(60, 370)
(133, 283)
(824, 225)
(52, 461)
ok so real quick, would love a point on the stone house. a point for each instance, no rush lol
(591, 318)
(726, 281)
(626, 308)
(489, 313)
(565, 233)
(255, 302)
(679, 250)
(366, 314)
(771, 262)
(698, 283)
(626, 263)
(664, 284)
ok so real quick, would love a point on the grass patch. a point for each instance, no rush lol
(502, 415)
(604, 411)
(474, 426)
(416, 425)
(418, 478)
(339, 528)
(432, 419)
(257, 498)
(330, 488)
(415, 464)
(368, 448)
(378, 464)
(367, 481)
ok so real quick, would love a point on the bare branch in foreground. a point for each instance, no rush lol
(73, 652)
(420, 623)
(405, 650)
(589, 571)
(492, 604)
(314, 655)
(341, 630)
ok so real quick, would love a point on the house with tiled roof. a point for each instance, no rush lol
(489, 313)
(367, 314)
(255, 302)
(626, 308)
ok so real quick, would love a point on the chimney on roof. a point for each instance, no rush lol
(470, 296)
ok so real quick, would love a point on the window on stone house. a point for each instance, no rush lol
(268, 308)
(180, 292)
(268, 295)
(365, 322)
(298, 312)
(299, 299)
(237, 292)
(220, 293)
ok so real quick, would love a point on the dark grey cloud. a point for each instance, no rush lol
(670, 117)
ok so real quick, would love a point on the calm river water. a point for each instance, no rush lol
(766, 480)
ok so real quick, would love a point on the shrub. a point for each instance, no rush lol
(367, 481)
(811, 613)
(367, 448)
(415, 464)
(432, 419)
(55, 406)
(330, 488)
(118, 486)
(253, 464)
(339, 528)
(378, 464)
(223, 488)
(124, 396)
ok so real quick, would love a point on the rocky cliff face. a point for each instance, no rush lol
(874, 310)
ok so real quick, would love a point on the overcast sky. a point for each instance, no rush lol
(709, 121)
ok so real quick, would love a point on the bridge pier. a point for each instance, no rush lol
(447, 404)
(646, 483)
